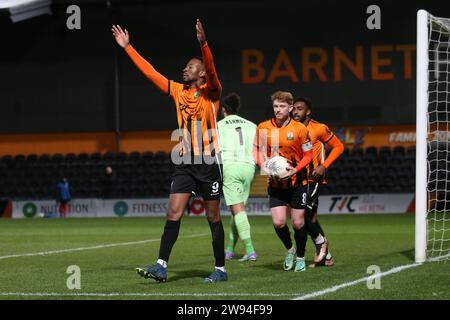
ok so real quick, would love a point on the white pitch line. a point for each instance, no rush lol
(355, 282)
(45, 253)
(307, 296)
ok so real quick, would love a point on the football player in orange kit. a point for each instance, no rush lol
(197, 165)
(320, 135)
(282, 136)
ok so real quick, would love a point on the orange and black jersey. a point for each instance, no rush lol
(291, 141)
(197, 108)
(320, 136)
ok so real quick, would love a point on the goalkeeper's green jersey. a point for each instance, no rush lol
(237, 136)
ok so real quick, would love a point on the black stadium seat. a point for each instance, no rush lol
(95, 157)
(384, 152)
(371, 152)
(83, 157)
(399, 151)
(134, 156)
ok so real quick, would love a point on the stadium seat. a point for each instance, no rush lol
(44, 158)
(108, 157)
(147, 156)
(357, 152)
(32, 158)
(7, 159)
(19, 158)
(384, 152)
(371, 152)
(411, 151)
(70, 157)
(95, 157)
(57, 158)
(134, 156)
(120, 156)
(399, 151)
(83, 157)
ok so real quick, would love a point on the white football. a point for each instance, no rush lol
(278, 167)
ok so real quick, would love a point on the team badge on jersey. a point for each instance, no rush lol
(290, 136)
(197, 94)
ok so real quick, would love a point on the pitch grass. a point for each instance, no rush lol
(356, 242)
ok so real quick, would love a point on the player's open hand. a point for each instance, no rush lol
(319, 172)
(200, 32)
(122, 37)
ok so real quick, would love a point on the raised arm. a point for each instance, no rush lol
(123, 39)
(212, 79)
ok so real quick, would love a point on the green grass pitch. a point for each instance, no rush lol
(109, 252)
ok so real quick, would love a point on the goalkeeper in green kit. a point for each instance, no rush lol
(237, 135)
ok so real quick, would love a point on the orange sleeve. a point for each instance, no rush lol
(307, 149)
(325, 133)
(147, 69)
(212, 79)
(307, 157)
(256, 148)
(336, 150)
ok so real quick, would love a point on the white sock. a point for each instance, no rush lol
(301, 258)
(221, 269)
(320, 239)
(292, 250)
(162, 262)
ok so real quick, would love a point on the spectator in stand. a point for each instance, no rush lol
(63, 197)
(108, 181)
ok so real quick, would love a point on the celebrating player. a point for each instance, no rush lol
(237, 136)
(290, 139)
(320, 135)
(197, 104)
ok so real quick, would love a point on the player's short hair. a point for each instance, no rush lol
(283, 96)
(198, 58)
(306, 101)
(232, 103)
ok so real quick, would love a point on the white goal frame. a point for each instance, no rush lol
(421, 135)
(426, 31)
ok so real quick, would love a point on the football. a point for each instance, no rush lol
(278, 167)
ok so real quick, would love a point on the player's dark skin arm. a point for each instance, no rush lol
(122, 38)
(318, 172)
(212, 207)
(212, 79)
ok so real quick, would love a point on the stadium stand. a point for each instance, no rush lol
(148, 174)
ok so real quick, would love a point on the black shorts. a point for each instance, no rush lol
(295, 197)
(314, 190)
(203, 178)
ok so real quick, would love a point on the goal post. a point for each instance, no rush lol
(421, 135)
(432, 222)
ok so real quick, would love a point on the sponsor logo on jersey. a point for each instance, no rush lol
(290, 136)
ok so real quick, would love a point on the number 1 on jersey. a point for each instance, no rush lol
(241, 138)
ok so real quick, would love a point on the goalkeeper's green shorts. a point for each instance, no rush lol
(237, 181)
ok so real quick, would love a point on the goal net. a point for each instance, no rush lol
(433, 138)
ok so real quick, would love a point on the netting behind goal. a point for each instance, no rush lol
(438, 143)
